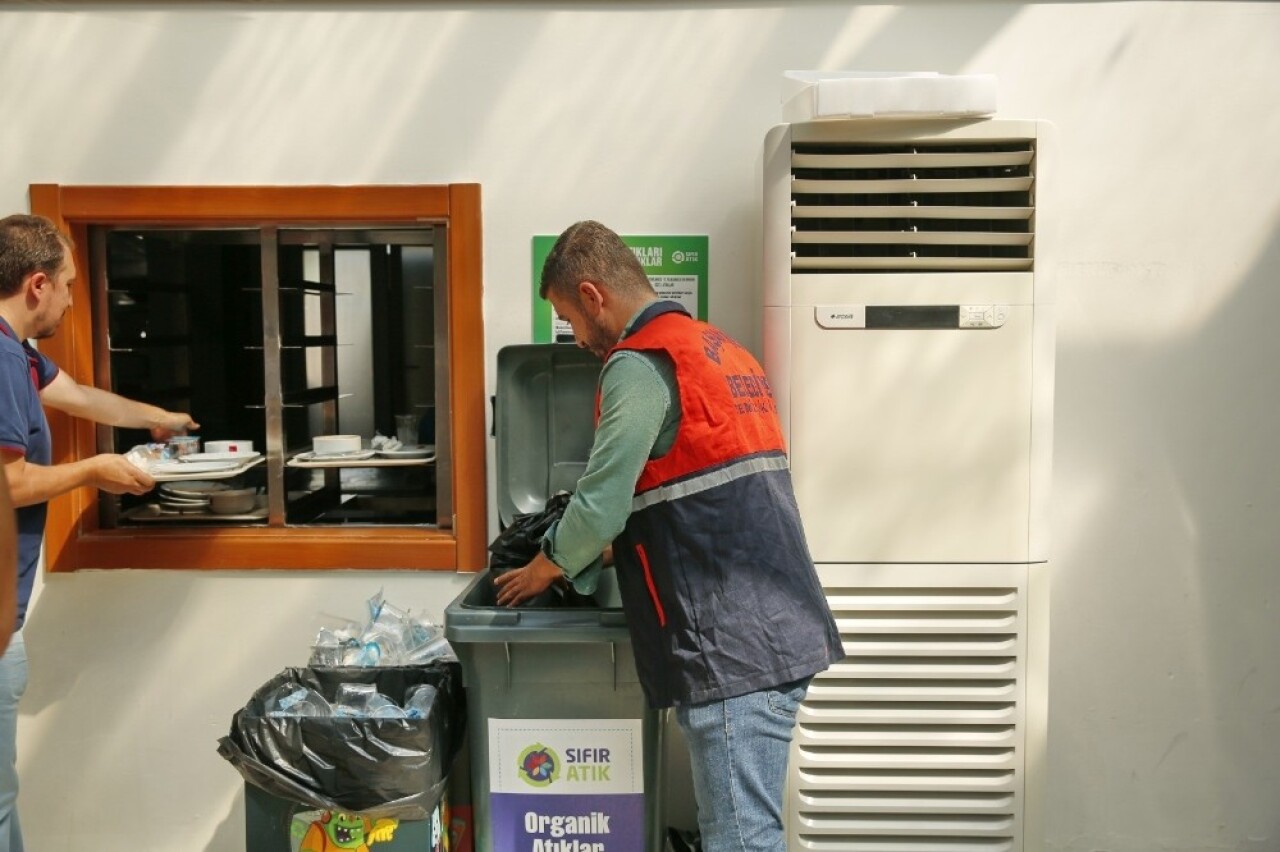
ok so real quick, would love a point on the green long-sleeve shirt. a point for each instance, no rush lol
(639, 417)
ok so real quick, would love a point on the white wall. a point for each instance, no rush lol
(1165, 730)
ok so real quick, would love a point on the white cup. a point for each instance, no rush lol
(228, 446)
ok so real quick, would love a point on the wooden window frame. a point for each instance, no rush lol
(73, 539)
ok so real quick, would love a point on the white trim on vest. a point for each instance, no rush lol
(706, 481)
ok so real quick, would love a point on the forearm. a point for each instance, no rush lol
(633, 406)
(115, 410)
(591, 522)
(36, 483)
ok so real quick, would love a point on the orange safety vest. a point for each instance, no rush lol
(720, 592)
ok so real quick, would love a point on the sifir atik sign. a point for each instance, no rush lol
(676, 267)
(566, 785)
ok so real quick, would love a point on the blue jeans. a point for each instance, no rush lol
(13, 682)
(738, 752)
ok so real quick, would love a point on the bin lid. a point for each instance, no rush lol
(474, 617)
(544, 423)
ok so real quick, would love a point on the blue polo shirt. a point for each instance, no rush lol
(24, 429)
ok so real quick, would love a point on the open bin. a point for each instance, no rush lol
(362, 771)
(562, 744)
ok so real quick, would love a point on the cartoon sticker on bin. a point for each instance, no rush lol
(336, 831)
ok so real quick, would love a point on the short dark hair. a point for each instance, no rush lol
(588, 251)
(29, 244)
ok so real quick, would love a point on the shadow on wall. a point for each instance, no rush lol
(1164, 696)
(1164, 725)
(286, 95)
(135, 675)
(58, 626)
(1179, 563)
(283, 100)
(230, 831)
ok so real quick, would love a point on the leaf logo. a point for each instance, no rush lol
(539, 765)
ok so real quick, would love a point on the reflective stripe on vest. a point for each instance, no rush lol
(705, 481)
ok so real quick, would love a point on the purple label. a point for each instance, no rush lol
(577, 823)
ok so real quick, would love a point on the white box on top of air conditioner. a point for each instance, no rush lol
(809, 95)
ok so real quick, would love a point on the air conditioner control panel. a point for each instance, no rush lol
(983, 316)
(911, 316)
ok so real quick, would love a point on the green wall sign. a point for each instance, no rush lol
(676, 266)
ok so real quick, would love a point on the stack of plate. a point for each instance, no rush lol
(237, 457)
(347, 455)
(188, 496)
(409, 451)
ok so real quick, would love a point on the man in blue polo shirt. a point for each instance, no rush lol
(36, 272)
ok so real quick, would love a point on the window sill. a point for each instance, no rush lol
(292, 548)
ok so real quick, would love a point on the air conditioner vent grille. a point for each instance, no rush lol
(915, 740)
(912, 207)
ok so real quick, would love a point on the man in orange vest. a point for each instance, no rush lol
(688, 483)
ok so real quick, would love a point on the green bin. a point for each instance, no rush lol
(565, 754)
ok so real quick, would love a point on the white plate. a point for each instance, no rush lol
(193, 487)
(168, 498)
(182, 467)
(418, 451)
(217, 457)
(174, 509)
(354, 455)
(152, 512)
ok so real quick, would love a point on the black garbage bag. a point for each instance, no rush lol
(371, 766)
(682, 841)
(521, 541)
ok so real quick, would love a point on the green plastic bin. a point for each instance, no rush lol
(552, 665)
(557, 722)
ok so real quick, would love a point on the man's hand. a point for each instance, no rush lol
(117, 475)
(170, 423)
(520, 584)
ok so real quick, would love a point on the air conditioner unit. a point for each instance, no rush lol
(909, 343)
